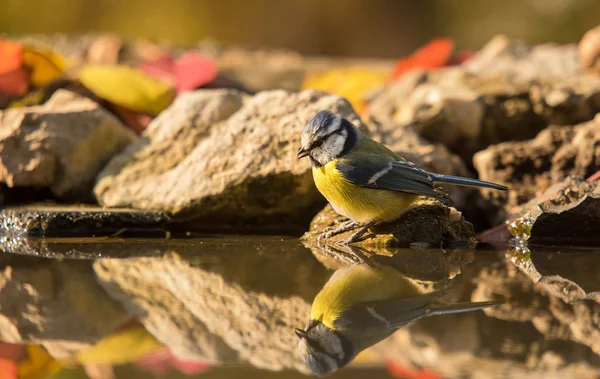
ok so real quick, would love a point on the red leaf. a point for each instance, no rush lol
(194, 70)
(593, 177)
(435, 54)
(161, 361)
(11, 56)
(14, 83)
(403, 372)
(162, 68)
(190, 71)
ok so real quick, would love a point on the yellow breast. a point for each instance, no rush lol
(359, 204)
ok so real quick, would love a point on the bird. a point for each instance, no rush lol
(361, 305)
(362, 179)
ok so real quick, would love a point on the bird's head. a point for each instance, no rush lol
(322, 349)
(326, 137)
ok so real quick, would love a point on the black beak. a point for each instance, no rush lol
(302, 153)
(302, 334)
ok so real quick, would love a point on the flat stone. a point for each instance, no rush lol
(42, 220)
(60, 145)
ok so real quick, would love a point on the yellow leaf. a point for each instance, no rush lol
(127, 87)
(37, 364)
(353, 83)
(125, 346)
(45, 65)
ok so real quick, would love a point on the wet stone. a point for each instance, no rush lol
(78, 221)
(428, 223)
(567, 214)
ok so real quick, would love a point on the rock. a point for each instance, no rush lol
(528, 168)
(589, 50)
(220, 157)
(428, 223)
(567, 214)
(262, 70)
(43, 220)
(508, 91)
(61, 145)
(226, 307)
(57, 304)
(515, 58)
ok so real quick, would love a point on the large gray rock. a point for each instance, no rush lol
(222, 157)
(57, 304)
(61, 145)
(508, 91)
(529, 168)
(235, 306)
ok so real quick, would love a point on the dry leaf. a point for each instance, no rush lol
(127, 87)
(350, 82)
(189, 71)
(44, 65)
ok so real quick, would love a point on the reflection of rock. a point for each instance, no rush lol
(567, 214)
(61, 145)
(433, 265)
(234, 306)
(429, 223)
(57, 304)
(220, 156)
(536, 333)
(528, 168)
(570, 276)
(508, 91)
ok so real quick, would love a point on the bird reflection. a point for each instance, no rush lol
(361, 305)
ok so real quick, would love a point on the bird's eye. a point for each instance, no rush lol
(317, 143)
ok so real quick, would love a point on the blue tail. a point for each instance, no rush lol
(468, 182)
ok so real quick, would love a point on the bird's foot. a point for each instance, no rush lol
(338, 229)
(357, 235)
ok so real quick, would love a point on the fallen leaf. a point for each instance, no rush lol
(10, 56)
(193, 70)
(14, 83)
(37, 364)
(435, 54)
(160, 362)
(189, 71)
(353, 83)
(400, 371)
(122, 347)
(44, 65)
(127, 87)
(8, 369)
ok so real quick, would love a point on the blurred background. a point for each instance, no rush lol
(360, 28)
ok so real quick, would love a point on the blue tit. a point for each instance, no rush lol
(364, 180)
(361, 305)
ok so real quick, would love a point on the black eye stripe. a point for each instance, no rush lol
(321, 140)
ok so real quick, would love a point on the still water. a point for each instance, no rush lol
(227, 307)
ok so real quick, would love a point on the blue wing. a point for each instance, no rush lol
(400, 176)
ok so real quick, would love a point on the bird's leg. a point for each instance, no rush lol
(339, 229)
(356, 236)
